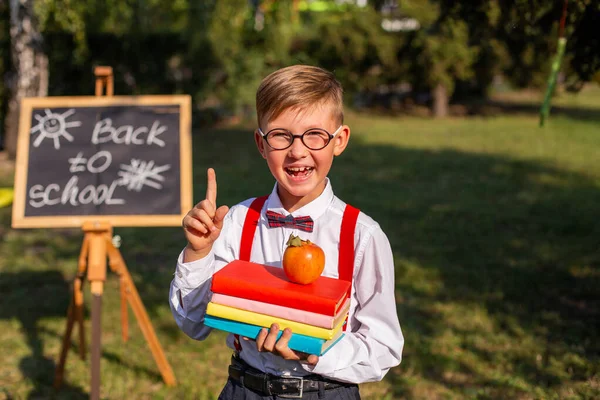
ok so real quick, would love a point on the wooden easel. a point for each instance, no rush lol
(97, 246)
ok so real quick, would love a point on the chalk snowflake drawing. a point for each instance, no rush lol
(53, 126)
(142, 173)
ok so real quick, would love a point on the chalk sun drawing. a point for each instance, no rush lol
(141, 173)
(53, 126)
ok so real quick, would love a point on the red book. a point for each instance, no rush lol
(270, 285)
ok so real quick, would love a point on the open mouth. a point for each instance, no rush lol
(299, 172)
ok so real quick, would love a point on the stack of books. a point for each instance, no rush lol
(249, 296)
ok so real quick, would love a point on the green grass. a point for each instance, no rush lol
(494, 227)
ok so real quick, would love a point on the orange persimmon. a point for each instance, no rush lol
(303, 261)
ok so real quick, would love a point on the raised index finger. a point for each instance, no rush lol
(211, 187)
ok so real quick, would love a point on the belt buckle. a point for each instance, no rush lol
(301, 389)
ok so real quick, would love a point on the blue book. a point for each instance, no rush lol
(306, 344)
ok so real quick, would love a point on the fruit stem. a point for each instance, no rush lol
(296, 241)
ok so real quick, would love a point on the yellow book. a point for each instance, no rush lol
(252, 318)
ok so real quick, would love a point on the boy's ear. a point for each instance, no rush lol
(341, 140)
(260, 144)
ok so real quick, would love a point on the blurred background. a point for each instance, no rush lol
(493, 219)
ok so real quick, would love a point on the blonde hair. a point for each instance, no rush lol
(299, 87)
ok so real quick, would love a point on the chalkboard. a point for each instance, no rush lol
(125, 160)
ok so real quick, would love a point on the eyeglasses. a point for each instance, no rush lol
(314, 138)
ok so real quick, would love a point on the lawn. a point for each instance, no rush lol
(494, 226)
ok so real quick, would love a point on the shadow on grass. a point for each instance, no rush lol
(496, 259)
(512, 242)
(517, 239)
(28, 297)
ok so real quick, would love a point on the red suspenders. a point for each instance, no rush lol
(250, 224)
(346, 257)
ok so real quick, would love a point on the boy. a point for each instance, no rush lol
(304, 103)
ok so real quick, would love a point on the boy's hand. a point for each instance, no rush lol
(267, 341)
(203, 223)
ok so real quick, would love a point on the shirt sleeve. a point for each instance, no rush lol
(375, 342)
(190, 292)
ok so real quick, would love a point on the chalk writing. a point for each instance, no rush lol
(126, 134)
(53, 126)
(41, 196)
(104, 160)
(139, 174)
(77, 162)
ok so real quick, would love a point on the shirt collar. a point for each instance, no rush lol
(314, 209)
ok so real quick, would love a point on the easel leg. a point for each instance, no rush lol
(74, 313)
(117, 265)
(96, 274)
(97, 288)
(78, 301)
(124, 321)
(148, 331)
(60, 367)
(78, 288)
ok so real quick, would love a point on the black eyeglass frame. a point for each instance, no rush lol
(301, 137)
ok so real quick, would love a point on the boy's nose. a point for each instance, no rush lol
(298, 149)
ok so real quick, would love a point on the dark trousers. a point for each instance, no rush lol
(233, 390)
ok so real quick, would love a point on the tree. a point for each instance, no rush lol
(351, 42)
(476, 40)
(238, 54)
(29, 75)
(74, 25)
(444, 55)
(482, 18)
(440, 53)
(4, 63)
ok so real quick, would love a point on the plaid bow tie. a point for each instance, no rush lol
(302, 223)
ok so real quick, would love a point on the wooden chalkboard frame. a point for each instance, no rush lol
(19, 220)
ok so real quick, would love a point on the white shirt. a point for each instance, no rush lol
(373, 341)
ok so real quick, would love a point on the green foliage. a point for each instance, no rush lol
(583, 45)
(275, 40)
(351, 43)
(218, 51)
(64, 15)
(530, 29)
(83, 18)
(241, 53)
(456, 43)
(227, 28)
(444, 53)
(483, 20)
(426, 12)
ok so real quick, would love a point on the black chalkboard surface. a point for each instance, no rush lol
(126, 160)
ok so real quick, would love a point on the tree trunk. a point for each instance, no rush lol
(29, 74)
(440, 101)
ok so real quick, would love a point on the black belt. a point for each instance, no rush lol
(269, 385)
